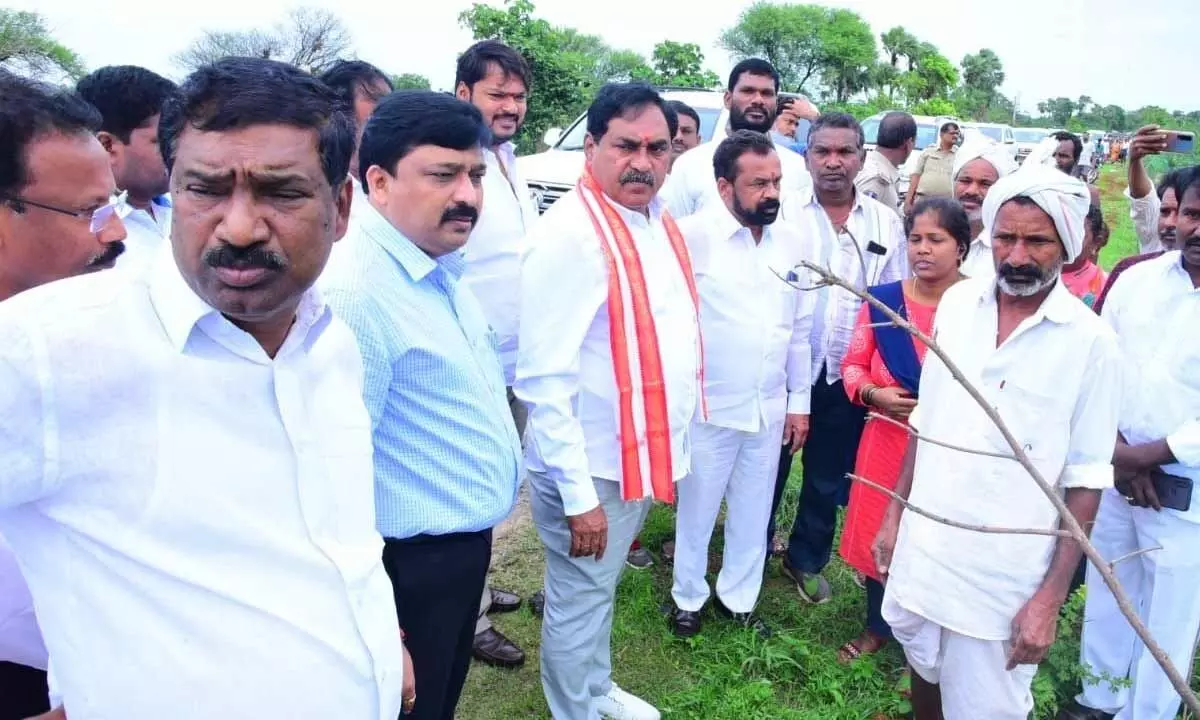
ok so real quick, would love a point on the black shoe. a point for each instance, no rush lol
(503, 601)
(748, 620)
(684, 623)
(493, 648)
(537, 603)
(1075, 711)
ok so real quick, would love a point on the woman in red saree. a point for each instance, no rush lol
(882, 371)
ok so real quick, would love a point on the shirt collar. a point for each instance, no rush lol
(633, 216)
(1059, 307)
(412, 259)
(808, 197)
(180, 309)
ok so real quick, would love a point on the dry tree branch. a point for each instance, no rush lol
(955, 523)
(913, 432)
(828, 278)
(1135, 553)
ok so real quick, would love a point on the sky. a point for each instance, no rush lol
(1049, 48)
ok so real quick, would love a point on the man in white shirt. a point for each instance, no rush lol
(608, 365)
(1155, 309)
(130, 101)
(751, 101)
(978, 165)
(361, 86)
(974, 611)
(757, 363)
(861, 240)
(52, 163)
(198, 492)
(1154, 210)
(495, 79)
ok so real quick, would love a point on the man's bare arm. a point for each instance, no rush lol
(1083, 504)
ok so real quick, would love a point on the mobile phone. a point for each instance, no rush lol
(1173, 491)
(1179, 141)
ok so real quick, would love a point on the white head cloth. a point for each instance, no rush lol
(1064, 198)
(977, 147)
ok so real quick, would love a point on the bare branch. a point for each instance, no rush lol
(1077, 533)
(310, 38)
(955, 523)
(881, 325)
(913, 431)
(1135, 553)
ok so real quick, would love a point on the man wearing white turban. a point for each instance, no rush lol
(975, 611)
(978, 165)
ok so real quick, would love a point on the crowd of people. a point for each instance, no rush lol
(277, 352)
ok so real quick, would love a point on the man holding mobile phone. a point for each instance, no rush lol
(1155, 309)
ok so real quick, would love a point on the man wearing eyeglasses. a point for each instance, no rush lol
(56, 220)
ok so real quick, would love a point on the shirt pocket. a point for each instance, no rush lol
(1038, 420)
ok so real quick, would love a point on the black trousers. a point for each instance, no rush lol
(437, 581)
(828, 456)
(23, 692)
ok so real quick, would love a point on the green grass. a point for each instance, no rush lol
(728, 674)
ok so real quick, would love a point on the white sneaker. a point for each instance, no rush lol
(620, 705)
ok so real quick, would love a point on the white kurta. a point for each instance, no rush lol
(979, 263)
(692, 184)
(146, 231)
(1055, 381)
(493, 252)
(757, 361)
(204, 508)
(1155, 310)
(565, 365)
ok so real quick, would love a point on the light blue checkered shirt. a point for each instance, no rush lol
(446, 451)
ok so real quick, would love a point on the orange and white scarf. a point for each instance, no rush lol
(641, 391)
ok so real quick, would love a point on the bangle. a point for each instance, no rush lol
(867, 394)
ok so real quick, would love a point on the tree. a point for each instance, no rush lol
(1084, 102)
(1113, 117)
(682, 64)
(26, 46)
(788, 36)
(848, 53)
(1060, 109)
(898, 43)
(410, 81)
(931, 75)
(982, 76)
(311, 39)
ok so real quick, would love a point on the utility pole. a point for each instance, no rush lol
(1016, 105)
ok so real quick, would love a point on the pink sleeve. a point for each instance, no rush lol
(856, 366)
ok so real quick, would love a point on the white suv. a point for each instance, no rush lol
(1002, 134)
(927, 135)
(553, 173)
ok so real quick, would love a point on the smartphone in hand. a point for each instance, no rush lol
(1179, 141)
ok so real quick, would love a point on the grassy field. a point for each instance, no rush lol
(728, 674)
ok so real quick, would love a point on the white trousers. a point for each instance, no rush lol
(1165, 587)
(969, 672)
(739, 468)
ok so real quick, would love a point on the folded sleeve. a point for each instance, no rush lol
(1095, 418)
(1185, 443)
(1144, 212)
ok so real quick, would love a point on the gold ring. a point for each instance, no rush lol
(407, 704)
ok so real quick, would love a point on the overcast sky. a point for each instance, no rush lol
(1048, 47)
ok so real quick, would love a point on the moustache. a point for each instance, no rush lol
(244, 258)
(1020, 274)
(638, 176)
(465, 213)
(514, 118)
(109, 256)
(977, 199)
(1193, 241)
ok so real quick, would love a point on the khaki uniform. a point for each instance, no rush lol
(934, 167)
(879, 179)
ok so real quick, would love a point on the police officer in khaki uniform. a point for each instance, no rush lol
(880, 175)
(932, 176)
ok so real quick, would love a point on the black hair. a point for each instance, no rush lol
(616, 99)
(127, 96)
(1076, 143)
(754, 66)
(950, 216)
(474, 64)
(682, 108)
(740, 142)
(1167, 183)
(895, 129)
(1095, 220)
(235, 93)
(947, 125)
(30, 110)
(1185, 179)
(839, 120)
(347, 77)
(405, 121)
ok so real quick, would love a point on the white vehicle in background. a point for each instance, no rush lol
(927, 135)
(1002, 134)
(1028, 139)
(552, 174)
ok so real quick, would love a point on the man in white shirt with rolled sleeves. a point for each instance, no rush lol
(976, 612)
(197, 491)
(752, 104)
(1154, 307)
(757, 357)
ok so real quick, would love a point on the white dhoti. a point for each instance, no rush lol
(969, 672)
(1163, 586)
(738, 467)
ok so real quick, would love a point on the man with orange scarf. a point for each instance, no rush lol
(609, 367)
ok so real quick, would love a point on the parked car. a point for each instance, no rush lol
(551, 174)
(1027, 139)
(927, 135)
(997, 132)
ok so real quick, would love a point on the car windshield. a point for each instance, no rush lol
(1030, 135)
(926, 134)
(994, 133)
(573, 139)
